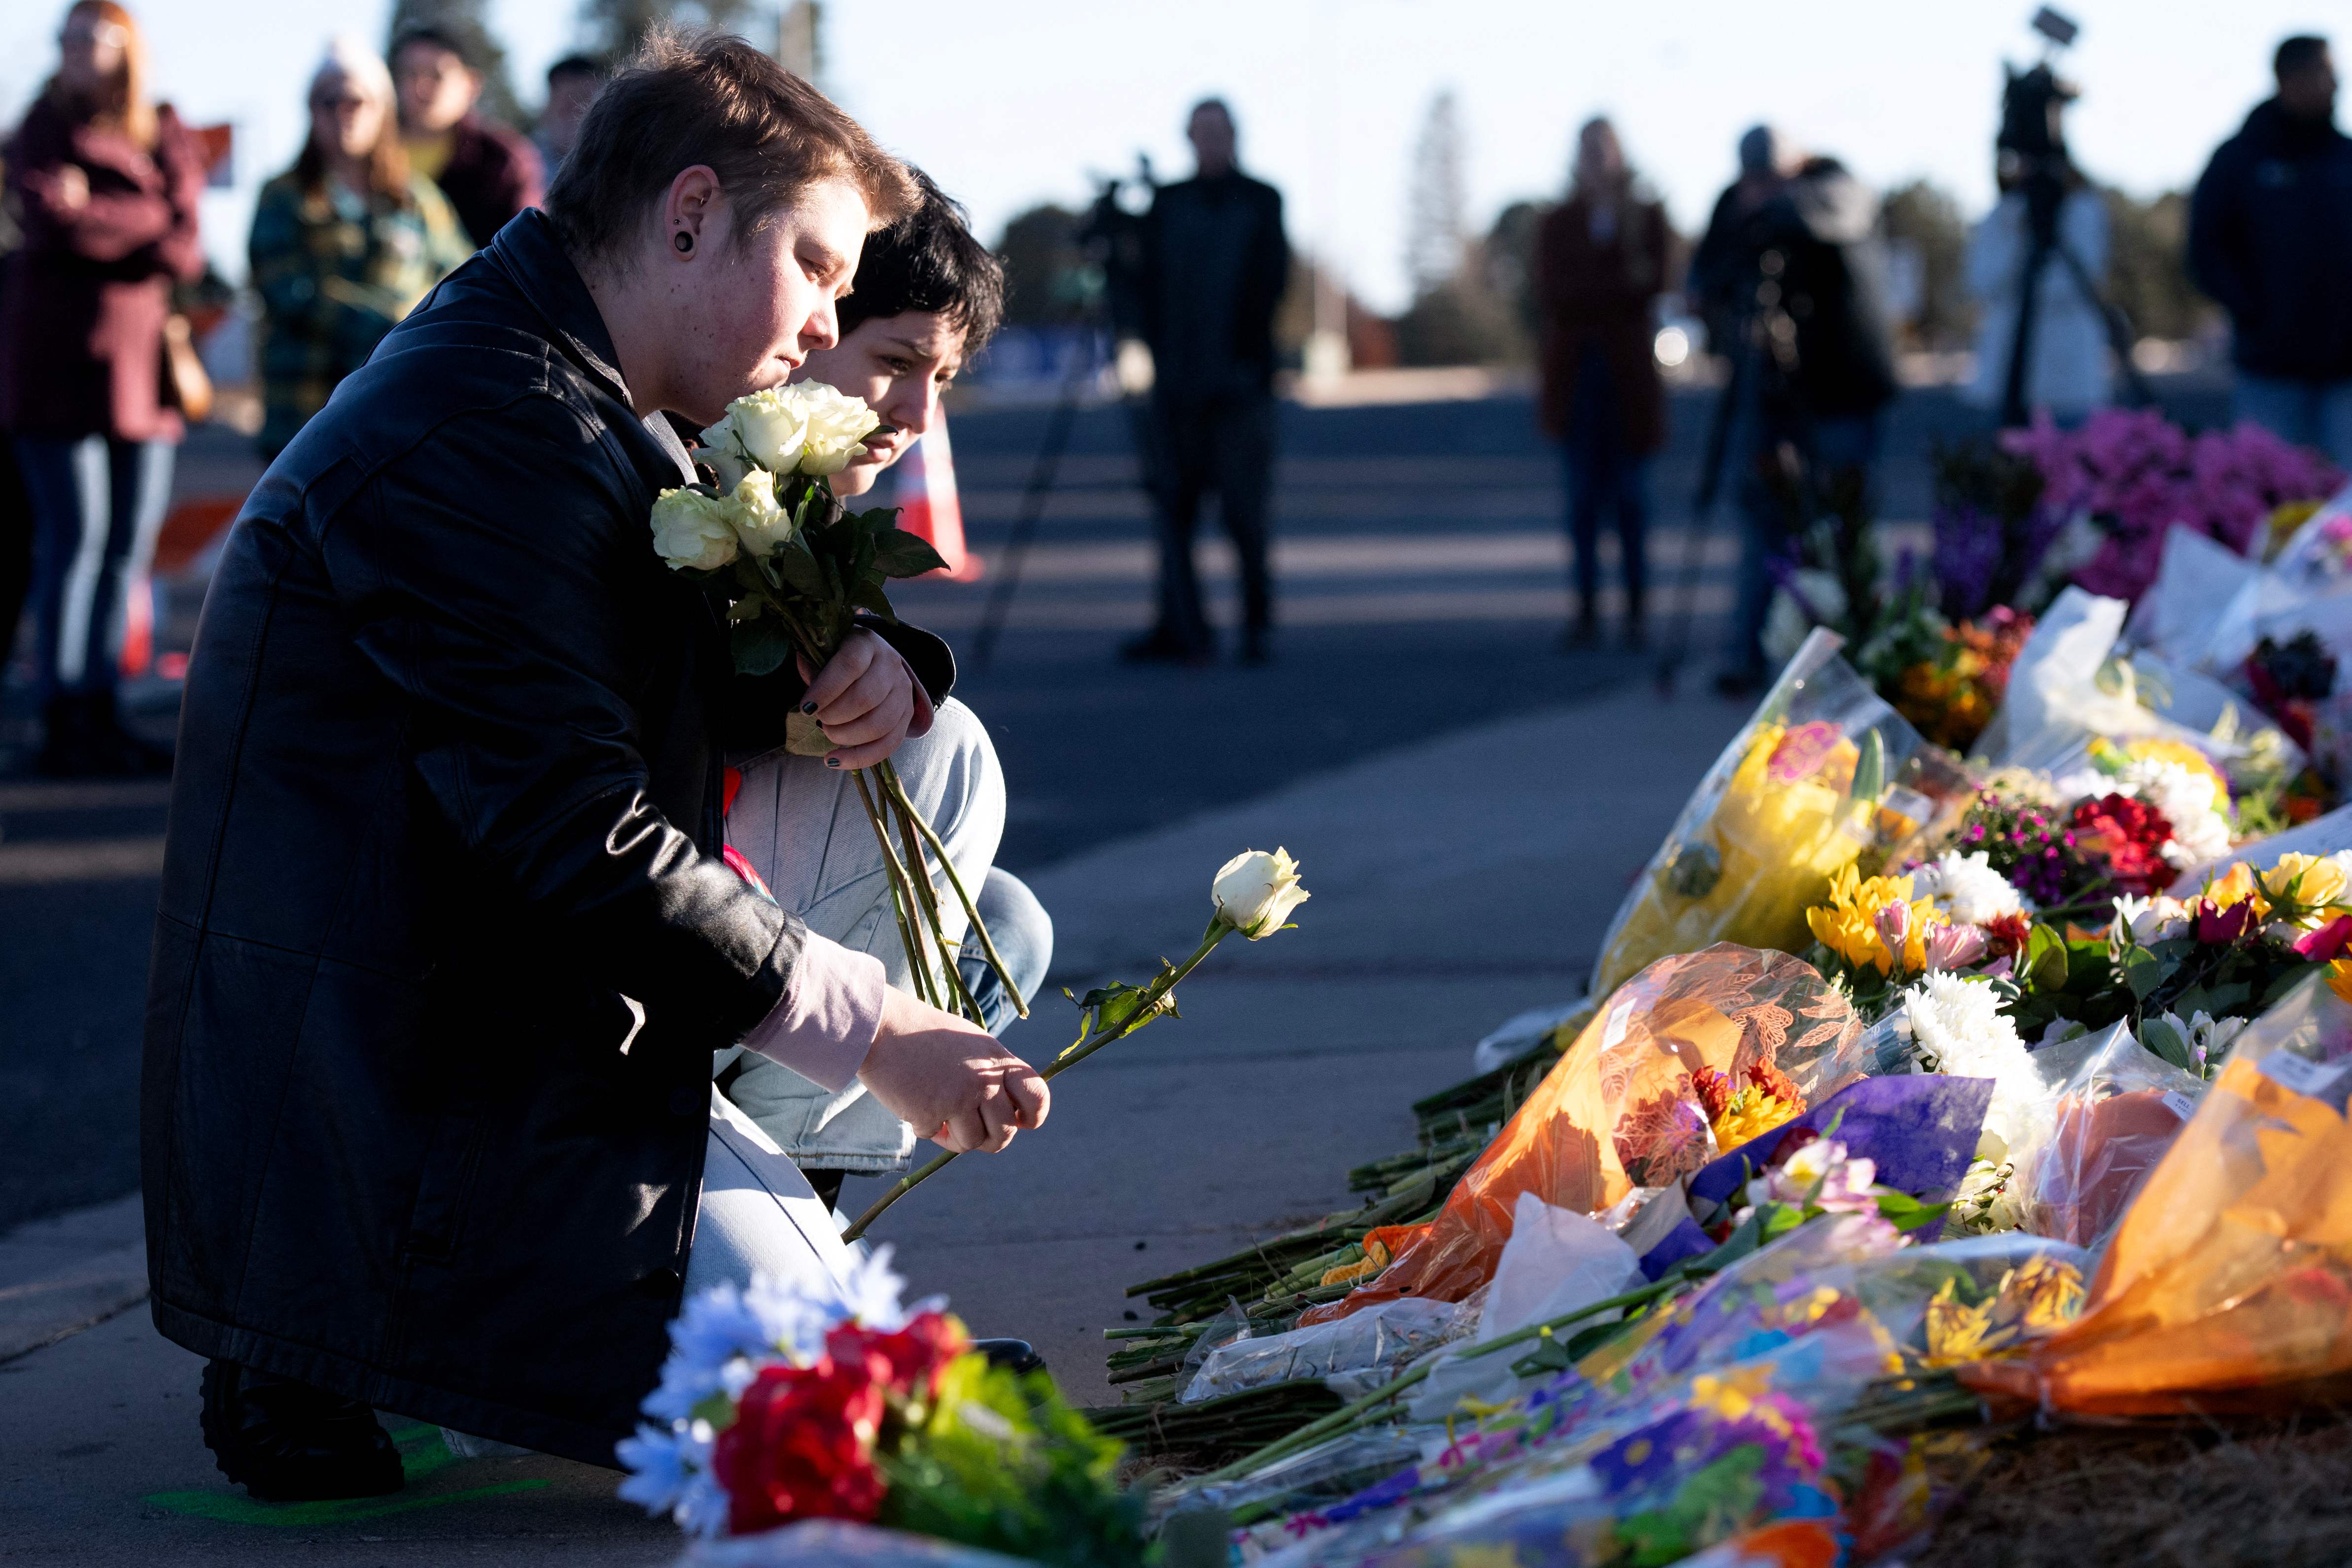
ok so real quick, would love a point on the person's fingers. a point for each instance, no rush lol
(857, 757)
(841, 672)
(999, 1115)
(868, 710)
(967, 1129)
(1032, 1096)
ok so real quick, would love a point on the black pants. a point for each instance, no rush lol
(16, 548)
(1223, 444)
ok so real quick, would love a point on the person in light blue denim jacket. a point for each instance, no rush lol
(928, 296)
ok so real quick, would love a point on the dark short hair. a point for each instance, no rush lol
(579, 66)
(689, 97)
(929, 260)
(2298, 53)
(440, 39)
(1219, 104)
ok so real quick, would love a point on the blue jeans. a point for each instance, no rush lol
(2309, 414)
(1847, 442)
(802, 827)
(97, 505)
(1023, 935)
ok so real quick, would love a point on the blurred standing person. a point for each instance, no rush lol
(1215, 264)
(106, 182)
(1722, 271)
(2270, 237)
(572, 83)
(1799, 278)
(1601, 258)
(16, 505)
(344, 244)
(487, 171)
(2066, 371)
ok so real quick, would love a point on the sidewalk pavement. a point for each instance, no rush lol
(1455, 881)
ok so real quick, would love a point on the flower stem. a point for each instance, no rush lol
(1145, 1008)
(927, 895)
(901, 895)
(889, 776)
(1347, 1418)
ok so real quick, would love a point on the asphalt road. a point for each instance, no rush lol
(1423, 592)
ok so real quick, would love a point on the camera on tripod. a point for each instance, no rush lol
(2030, 157)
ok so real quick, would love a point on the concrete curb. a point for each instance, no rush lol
(70, 1272)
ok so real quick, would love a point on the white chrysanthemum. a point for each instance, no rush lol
(1967, 889)
(2192, 802)
(1960, 1031)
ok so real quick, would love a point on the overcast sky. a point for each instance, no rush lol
(1017, 102)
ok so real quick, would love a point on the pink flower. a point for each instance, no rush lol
(2327, 942)
(1955, 947)
(2216, 927)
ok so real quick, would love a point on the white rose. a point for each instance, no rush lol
(692, 530)
(767, 430)
(759, 522)
(1255, 891)
(836, 427)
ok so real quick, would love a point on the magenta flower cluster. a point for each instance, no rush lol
(2136, 474)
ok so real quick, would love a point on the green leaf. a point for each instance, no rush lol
(2142, 972)
(798, 569)
(2163, 1037)
(1907, 1213)
(902, 554)
(762, 647)
(1115, 1008)
(1870, 770)
(2046, 960)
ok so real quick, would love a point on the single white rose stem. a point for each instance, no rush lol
(1146, 1007)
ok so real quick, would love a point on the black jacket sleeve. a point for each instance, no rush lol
(503, 585)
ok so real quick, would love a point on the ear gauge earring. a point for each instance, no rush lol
(684, 242)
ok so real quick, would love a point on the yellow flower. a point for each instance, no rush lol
(2234, 887)
(1848, 923)
(2340, 979)
(1751, 1114)
(2033, 1299)
(2313, 881)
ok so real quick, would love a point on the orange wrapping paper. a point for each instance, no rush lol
(2227, 1286)
(1619, 1110)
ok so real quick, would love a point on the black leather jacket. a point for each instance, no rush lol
(448, 789)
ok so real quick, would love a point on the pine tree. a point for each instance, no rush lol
(1437, 220)
(619, 25)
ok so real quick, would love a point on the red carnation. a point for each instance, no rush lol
(2006, 935)
(802, 1445)
(916, 1355)
(2130, 836)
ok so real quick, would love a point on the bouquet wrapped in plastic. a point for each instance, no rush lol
(2228, 1285)
(2117, 1113)
(1820, 774)
(1678, 1067)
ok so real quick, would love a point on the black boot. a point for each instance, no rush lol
(1012, 1355)
(286, 1441)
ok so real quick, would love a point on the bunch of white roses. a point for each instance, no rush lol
(807, 430)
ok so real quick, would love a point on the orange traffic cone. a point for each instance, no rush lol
(928, 504)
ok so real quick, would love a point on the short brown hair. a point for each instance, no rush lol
(689, 97)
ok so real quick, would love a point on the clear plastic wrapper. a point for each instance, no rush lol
(829, 1542)
(1375, 1346)
(1529, 1032)
(2321, 836)
(2117, 1112)
(1621, 1109)
(2228, 1285)
(1823, 771)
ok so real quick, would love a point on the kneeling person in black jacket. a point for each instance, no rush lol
(446, 943)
